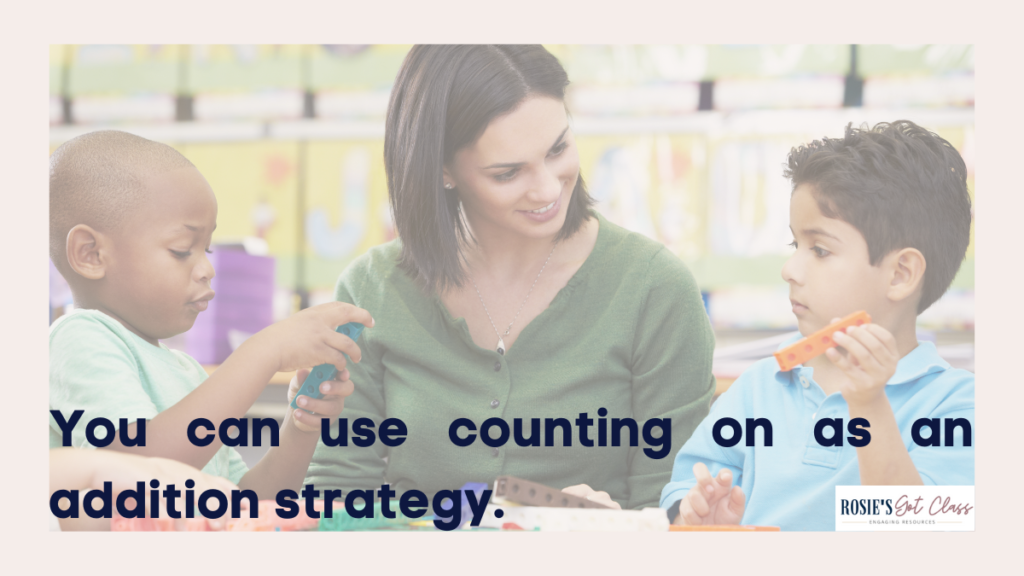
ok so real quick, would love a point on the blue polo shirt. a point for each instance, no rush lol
(791, 484)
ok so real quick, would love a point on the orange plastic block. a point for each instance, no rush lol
(269, 521)
(250, 525)
(120, 524)
(802, 351)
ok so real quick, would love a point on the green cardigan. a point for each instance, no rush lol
(628, 333)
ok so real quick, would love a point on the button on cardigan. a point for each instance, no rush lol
(628, 333)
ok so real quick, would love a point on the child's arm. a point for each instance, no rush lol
(701, 463)
(85, 469)
(869, 363)
(304, 339)
(285, 466)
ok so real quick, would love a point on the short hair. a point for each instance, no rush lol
(901, 186)
(443, 99)
(97, 179)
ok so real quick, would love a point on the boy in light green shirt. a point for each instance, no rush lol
(130, 224)
(102, 368)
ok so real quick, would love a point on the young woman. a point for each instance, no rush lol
(506, 296)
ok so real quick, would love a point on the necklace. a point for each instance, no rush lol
(501, 342)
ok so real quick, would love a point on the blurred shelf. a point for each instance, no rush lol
(327, 130)
(726, 271)
(714, 123)
(171, 132)
(279, 378)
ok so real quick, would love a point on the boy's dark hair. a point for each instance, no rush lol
(443, 99)
(901, 186)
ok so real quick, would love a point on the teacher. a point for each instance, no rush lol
(506, 295)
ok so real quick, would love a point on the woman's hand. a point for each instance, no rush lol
(330, 406)
(585, 491)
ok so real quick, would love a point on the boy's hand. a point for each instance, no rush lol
(307, 338)
(869, 362)
(330, 406)
(711, 501)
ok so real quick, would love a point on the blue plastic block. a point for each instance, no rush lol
(320, 374)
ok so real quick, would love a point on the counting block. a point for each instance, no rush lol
(340, 521)
(523, 492)
(319, 374)
(817, 343)
(269, 521)
(119, 523)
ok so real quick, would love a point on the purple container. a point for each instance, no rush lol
(237, 264)
(244, 302)
(208, 351)
(236, 311)
(219, 326)
(249, 290)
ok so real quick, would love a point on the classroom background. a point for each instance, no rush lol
(684, 144)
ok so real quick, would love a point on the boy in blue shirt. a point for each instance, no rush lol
(881, 222)
(131, 222)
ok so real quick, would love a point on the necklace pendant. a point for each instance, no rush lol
(501, 346)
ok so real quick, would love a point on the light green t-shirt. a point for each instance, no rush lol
(99, 366)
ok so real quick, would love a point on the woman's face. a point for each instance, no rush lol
(519, 176)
